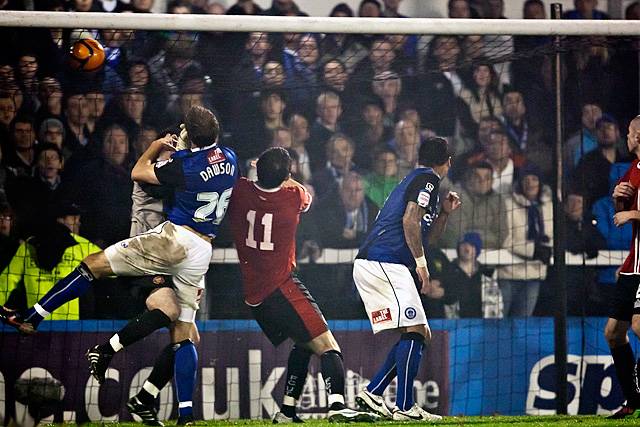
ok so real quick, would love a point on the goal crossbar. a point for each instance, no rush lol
(233, 23)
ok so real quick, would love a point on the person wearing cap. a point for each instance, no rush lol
(591, 176)
(529, 237)
(470, 289)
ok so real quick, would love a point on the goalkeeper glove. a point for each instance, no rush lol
(183, 139)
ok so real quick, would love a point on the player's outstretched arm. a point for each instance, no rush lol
(412, 233)
(144, 171)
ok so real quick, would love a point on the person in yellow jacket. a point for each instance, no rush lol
(51, 254)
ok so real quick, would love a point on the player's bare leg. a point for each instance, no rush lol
(76, 283)
(615, 332)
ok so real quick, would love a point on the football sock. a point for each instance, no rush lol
(159, 377)
(333, 373)
(139, 328)
(70, 287)
(185, 366)
(297, 367)
(408, 355)
(385, 375)
(624, 363)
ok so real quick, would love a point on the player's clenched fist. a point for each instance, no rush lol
(624, 190)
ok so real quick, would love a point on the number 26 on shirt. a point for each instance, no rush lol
(267, 222)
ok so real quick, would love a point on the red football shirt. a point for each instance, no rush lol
(632, 263)
(264, 223)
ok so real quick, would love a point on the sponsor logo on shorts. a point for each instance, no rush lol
(215, 156)
(158, 280)
(410, 313)
(383, 315)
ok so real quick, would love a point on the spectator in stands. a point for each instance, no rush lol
(369, 132)
(528, 67)
(529, 236)
(591, 176)
(379, 183)
(128, 111)
(525, 133)
(616, 237)
(391, 9)
(339, 154)
(370, 9)
(469, 287)
(583, 238)
(584, 140)
(48, 167)
(145, 137)
(49, 99)
(273, 75)
(27, 67)
(216, 8)
(76, 114)
(590, 76)
(52, 132)
(284, 8)
(255, 135)
(632, 11)
(328, 112)
(302, 73)
(245, 7)
(406, 143)
(534, 9)
(380, 59)
(7, 114)
(281, 138)
(299, 126)
(95, 99)
(476, 152)
(105, 198)
(483, 210)
(434, 91)
(434, 302)
(334, 76)
(8, 241)
(460, 9)
(139, 76)
(482, 95)
(349, 212)
(585, 9)
(5, 175)
(19, 159)
(388, 86)
(348, 48)
(142, 6)
(499, 155)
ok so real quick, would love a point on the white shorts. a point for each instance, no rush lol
(389, 295)
(166, 249)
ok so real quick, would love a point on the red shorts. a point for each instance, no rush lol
(290, 312)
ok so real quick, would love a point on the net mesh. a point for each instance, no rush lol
(352, 110)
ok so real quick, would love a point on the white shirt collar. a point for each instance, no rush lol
(194, 149)
(267, 190)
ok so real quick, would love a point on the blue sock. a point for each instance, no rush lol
(67, 288)
(408, 357)
(385, 375)
(186, 365)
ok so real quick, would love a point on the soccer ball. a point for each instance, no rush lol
(86, 55)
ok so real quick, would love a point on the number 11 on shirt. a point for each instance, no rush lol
(266, 221)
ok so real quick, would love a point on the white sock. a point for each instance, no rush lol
(336, 398)
(115, 343)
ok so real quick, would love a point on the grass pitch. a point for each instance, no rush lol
(504, 421)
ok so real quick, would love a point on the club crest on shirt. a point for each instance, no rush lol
(379, 316)
(429, 186)
(215, 156)
(410, 313)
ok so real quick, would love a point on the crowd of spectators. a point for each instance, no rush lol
(352, 110)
